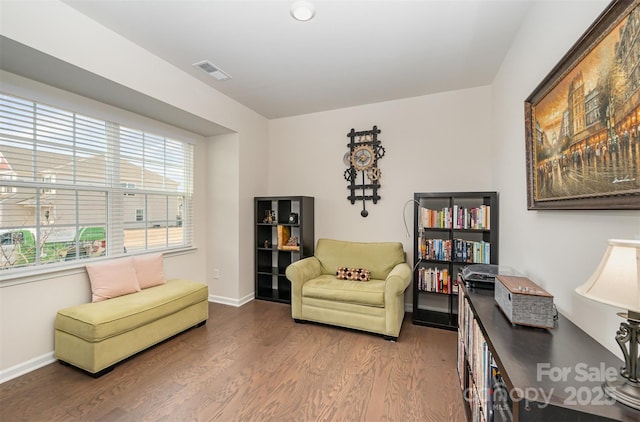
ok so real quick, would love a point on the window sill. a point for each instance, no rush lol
(53, 271)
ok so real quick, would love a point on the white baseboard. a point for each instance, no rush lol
(232, 302)
(25, 367)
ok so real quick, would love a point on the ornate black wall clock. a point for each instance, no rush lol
(362, 160)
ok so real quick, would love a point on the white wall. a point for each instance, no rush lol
(433, 143)
(229, 172)
(223, 197)
(556, 249)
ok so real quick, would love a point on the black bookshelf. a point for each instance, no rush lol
(272, 256)
(462, 229)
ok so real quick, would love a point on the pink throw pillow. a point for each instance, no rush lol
(112, 278)
(149, 270)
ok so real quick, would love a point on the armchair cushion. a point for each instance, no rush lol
(331, 288)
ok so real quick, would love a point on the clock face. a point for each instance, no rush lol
(362, 157)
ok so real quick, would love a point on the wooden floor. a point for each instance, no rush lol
(254, 363)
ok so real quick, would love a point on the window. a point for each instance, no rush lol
(4, 188)
(127, 186)
(69, 182)
(6, 174)
(48, 180)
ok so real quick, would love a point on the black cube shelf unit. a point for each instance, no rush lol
(277, 218)
(451, 230)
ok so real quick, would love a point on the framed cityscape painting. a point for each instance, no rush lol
(582, 123)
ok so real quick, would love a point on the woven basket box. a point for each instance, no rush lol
(524, 302)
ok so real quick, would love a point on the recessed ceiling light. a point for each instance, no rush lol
(213, 70)
(303, 10)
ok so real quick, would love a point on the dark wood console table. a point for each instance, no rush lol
(560, 370)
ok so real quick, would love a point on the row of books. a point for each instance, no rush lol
(489, 402)
(464, 313)
(487, 394)
(456, 217)
(435, 249)
(472, 251)
(468, 251)
(479, 360)
(436, 280)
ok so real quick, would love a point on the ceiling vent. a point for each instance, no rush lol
(213, 70)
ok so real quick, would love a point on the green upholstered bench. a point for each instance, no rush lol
(95, 336)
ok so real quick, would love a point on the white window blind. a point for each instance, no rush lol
(72, 187)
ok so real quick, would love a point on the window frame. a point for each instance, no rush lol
(114, 189)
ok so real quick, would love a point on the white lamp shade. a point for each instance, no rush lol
(616, 281)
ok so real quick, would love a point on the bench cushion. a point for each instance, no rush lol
(97, 321)
(329, 287)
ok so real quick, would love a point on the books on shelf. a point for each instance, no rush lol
(479, 361)
(471, 251)
(435, 249)
(458, 217)
(487, 391)
(456, 250)
(478, 218)
(462, 320)
(441, 219)
(434, 280)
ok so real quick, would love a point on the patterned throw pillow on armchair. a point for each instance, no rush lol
(354, 274)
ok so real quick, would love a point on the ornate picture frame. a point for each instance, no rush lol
(582, 122)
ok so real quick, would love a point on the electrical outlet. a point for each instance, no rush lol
(216, 273)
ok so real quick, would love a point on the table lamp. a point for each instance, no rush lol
(616, 282)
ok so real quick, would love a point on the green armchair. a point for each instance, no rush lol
(376, 305)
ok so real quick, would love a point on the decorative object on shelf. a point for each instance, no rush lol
(284, 233)
(365, 150)
(523, 302)
(581, 125)
(269, 217)
(293, 218)
(286, 242)
(267, 244)
(616, 282)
